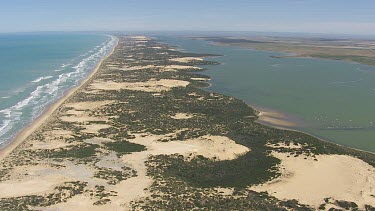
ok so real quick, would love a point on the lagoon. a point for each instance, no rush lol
(333, 100)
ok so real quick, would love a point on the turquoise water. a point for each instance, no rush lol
(36, 69)
(334, 100)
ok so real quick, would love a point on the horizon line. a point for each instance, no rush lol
(188, 30)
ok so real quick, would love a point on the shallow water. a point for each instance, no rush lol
(36, 69)
(333, 100)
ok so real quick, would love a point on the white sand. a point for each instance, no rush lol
(165, 68)
(182, 116)
(33, 186)
(89, 105)
(80, 203)
(290, 145)
(337, 176)
(94, 128)
(98, 140)
(186, 59)
(200, 79)
(147, 86)
(219, 147)
(50, 144)
(81, 119)
(181, 67)
(139, 38)
(130, 68)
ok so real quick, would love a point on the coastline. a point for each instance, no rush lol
(114, 155)
(280, 121)
(290, 53)
(49, 111)
(274, 118)
(285, 122)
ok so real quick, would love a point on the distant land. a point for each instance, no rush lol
(348, 49)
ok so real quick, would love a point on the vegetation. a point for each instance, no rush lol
(124, 147)
(337, 49)
(61, 194)
(179, 183)
(113, 176)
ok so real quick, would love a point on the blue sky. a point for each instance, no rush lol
(315, 16)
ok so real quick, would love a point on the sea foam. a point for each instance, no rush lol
(45, 94)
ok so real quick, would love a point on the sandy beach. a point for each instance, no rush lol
(48, 113)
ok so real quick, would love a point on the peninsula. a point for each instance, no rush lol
(142, 134)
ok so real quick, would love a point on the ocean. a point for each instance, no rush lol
(333, 100)
(36, 70)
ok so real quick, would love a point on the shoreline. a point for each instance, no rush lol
(137, 166)
(271, 121)
(49, 111)
(275, 118)
(289, 54)
(280, 120)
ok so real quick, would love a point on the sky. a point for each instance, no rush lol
(307, 16)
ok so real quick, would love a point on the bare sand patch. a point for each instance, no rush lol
(219, 147)
(148, 86)
(88, 105)
(50, 144)
(194, 94)
(135, 187)
(80, 111)
(186, 59)
(182, 116)
(181, 67)
(94, 128)
(56, 132)
(81, 202)
(33, 186)
(76, 112)
(225, 191)
(340, 177)
(166, 68)
(285, 145)
(200, 79)
(98, 140)
(81, 119)
(130, 68)
(110, 161)
(139, 38)
(156, 94)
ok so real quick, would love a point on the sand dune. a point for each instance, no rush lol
(338, 177)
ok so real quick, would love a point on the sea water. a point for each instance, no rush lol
(36, 70)
(334, 100)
